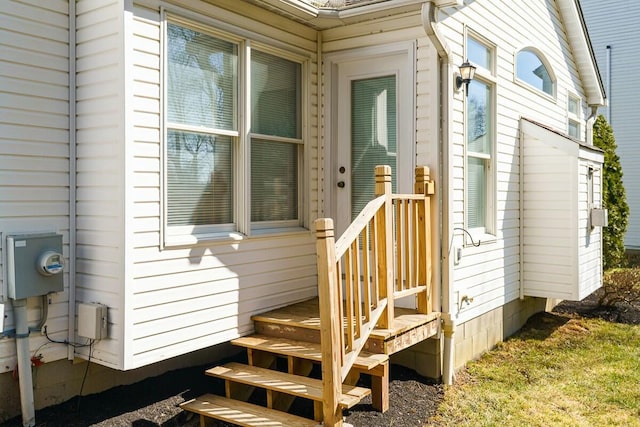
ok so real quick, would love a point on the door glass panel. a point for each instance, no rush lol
(373, 136)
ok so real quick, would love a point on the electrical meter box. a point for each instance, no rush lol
(34, 264)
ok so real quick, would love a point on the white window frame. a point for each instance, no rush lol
(487, 77)
(576, 117)
(242, 226)
(546, 63)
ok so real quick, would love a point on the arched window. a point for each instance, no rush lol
(531, 69)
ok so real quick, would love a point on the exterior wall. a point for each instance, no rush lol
(34, 155)
(614, 25)
(550, 229)
(180, 299)
(590, 244)
(100, 207)
(490, 273)
(562, 253)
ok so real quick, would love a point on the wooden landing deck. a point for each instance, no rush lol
(301, 321)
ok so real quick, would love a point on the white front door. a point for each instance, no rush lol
(373, 125)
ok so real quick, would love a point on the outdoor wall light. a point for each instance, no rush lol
(467, 72)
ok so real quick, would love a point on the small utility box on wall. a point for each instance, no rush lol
(34, 264)
(92, 321)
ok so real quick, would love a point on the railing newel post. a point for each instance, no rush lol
(424, 186)
(330, 331)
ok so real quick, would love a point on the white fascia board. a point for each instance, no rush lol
(448, 3)
(582, 51)
(321, 17)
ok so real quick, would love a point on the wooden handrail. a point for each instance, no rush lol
(384, 254)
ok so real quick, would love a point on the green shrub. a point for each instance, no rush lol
(620, 285)
(613, 196)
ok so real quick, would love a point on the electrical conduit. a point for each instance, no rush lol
(24, 362)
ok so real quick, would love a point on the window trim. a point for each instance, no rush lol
(543, 59)
(486, 77)
(574, 117)
(242, 226)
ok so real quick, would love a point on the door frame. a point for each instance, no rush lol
(406, 95)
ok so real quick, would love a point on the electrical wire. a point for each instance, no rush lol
(86, 371)
(473, 242)
(72, 344)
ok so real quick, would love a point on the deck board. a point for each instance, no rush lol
(305, 314)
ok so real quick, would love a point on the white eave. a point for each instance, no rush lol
(329, 17)
(582, 51)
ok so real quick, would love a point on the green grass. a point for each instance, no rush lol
(555, 372)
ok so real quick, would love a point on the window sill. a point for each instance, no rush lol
(478, 238)
(191, 240)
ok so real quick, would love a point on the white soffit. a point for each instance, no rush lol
(582, 51)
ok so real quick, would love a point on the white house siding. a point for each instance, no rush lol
(589, 240)
(490, 273)
(180, 299)
(34, 151)
(615, 24)
(550, 231)
(100, 168)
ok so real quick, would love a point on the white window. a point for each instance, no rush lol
(480, 136)
(225, 172)
(573, 114)
(534, 71)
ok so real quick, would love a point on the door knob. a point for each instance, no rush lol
(341, 184)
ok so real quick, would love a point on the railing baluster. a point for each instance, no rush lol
(415, 240)
(348, 269)
(399, 248)
(357, 297)
(407, 244)
(366, 275)
(374, 256)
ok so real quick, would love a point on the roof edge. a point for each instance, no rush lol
(583, 51)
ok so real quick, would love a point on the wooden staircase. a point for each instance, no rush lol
(383, 255)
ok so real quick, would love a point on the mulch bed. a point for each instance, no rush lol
(155, 401)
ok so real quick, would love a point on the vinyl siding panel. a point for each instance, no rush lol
(562, 252)
(100, 168)
(34, 152)
(185, 298)
(615, 25)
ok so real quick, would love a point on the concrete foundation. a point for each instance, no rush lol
(472, 338)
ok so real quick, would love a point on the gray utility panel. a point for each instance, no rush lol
(34, 264)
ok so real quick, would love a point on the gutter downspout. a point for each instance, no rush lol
(428, 15)
(521, 207)
(72, 181)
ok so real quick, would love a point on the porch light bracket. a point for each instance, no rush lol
(467, 72)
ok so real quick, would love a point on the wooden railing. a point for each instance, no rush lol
(385, 254)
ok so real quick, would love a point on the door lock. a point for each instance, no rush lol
(342, 169)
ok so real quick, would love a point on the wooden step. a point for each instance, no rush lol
(295, 385)
(301, 321)
(304, 350)
(242, 413)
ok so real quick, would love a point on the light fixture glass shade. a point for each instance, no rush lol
(467, 71)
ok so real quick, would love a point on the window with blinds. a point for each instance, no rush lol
(276, 138)
(480, 133)
(205, 152)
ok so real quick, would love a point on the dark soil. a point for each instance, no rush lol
(155, 401)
